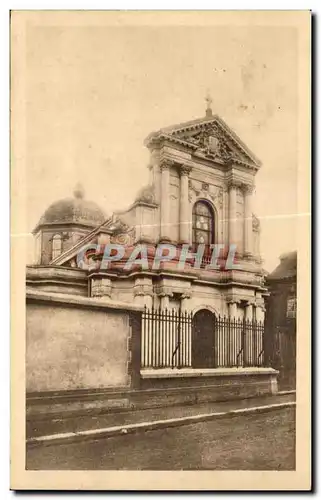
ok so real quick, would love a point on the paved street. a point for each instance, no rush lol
(83, 422)
(263, 441)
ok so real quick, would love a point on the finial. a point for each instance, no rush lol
(208, 101)
(79, 191)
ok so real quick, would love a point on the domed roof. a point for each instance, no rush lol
(74, 210)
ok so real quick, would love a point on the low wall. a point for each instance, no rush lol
(77, 343)
(83, 355)
(159, 390)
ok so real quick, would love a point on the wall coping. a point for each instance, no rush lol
(66, 299)
(204, 372)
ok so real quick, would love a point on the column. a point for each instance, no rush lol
(185, 300)
(165, 200)
(184, 215)
(248, 236)
(186, 331)
(249, 311)
(232, 309)
(260, 313)
(164, 299)
(248, 340)
(232, 214)
(162, 333)
(233, 341)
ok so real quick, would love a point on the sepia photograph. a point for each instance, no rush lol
(160, 249)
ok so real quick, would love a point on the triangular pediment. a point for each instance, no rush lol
(209, 137)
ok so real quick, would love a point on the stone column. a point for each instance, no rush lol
(260, 313)
(233, 341)
(164, 298)
(232, 309)
(163, 337)
(249, 311)
(248, 236)
(165, 202)
(185, 301)
(232, 214)
(184, 215)
(248, 339)
(186, 330)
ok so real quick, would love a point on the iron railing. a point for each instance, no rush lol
(168, 337)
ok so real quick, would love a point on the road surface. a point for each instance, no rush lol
(263, 441)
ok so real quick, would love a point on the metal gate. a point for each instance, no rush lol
(172, 338)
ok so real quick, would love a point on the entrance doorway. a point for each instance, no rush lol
(203, 339)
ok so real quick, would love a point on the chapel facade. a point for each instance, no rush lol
(201, 183)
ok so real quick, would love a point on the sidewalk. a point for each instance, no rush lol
(42, 431)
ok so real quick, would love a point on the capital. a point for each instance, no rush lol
(233, 300)
(165, 293)
(247, 189)
(234, 184)
(184, 170)
(166, 164)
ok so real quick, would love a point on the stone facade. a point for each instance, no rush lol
(198, 161)
(87, 342)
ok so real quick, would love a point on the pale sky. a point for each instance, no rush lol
(94, 94)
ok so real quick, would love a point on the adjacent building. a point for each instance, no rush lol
(280, 324)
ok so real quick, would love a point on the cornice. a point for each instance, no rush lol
(171, 133)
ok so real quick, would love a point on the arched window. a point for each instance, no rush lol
(203, 224)
(56, 246)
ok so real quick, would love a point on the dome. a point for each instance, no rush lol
(76, 210)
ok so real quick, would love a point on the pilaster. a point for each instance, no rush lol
(248, 232)
(184, 216)
(232, 212)
(165, 201)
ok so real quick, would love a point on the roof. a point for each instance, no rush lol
(286, 269)
(174, 132)
(76, 210)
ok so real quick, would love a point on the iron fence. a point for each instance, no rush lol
(169, 340)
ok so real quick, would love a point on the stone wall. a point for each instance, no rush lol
(76, 343)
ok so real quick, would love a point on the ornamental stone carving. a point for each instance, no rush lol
(185, 169)
(255, 223)
(118, 226)
(121, 239)
(235, 184)
(213, 142)
(142, 290)
(101, 287)
(166, 164)
(207, 191)
(247, 188)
